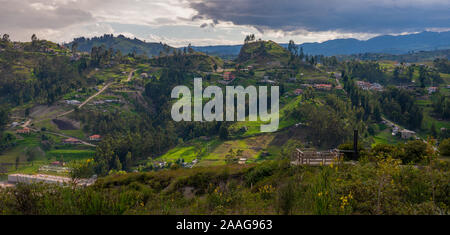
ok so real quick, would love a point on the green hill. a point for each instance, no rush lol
(193, 61)
(263, 53)
(121, 43)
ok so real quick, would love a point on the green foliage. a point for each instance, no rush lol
(441, 105)
(415, 151)
(121, 43)
(443, 65)
(81, 169)
(444, 147)
(329, 124)
(378, 187)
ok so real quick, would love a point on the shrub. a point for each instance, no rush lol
(444, 147)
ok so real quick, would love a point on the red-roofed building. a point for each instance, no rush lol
(95, 138)
(227, 76)
(298, 91)
(323, 86)
(25, 130)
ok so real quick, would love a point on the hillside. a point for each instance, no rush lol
(263, 53)
(121, 43)
(425, 41)
(195, 61)
(408, 58)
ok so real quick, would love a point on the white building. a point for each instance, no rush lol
(73, 102)
(49, 179)
(407, 134)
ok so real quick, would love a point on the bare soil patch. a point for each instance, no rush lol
(64, 124)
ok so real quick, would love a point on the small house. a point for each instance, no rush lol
(432, 90)
(58, 163)
(242, 160)
(298, 92)
(227, 76)
(73, 102)
(293, 79)
(407, 134)
(95, 138)
(323, 86)
(24, 131)
(71, 141)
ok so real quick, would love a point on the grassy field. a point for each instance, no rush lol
(385, 137)
(213, 152)
(32, 141)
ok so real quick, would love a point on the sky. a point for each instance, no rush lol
(220, 22)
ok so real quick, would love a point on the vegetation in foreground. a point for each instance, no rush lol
(374, 185)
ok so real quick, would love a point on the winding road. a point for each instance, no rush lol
(28, 122)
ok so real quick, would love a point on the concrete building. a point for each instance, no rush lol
(73, 102)
(49, 179)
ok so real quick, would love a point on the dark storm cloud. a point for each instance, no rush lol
(382, 16)
(39, 14)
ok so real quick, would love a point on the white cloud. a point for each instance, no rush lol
(172, 21)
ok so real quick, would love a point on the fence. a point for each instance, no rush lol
(316, 158)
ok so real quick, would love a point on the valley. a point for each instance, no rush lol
(106, 115)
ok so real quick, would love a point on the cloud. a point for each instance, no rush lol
(364, 16)
(220, 21)
(30, 14)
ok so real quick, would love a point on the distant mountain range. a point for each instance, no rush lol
(402, 44)
(394, 45)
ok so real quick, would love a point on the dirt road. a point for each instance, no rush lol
(66, 136)
(87, 101)
(130, 76)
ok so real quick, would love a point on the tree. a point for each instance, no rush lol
(444, 147)
(415, 151)
(17, 162)
(422, 76)
(396, 73)
(223, 132)
(292, 48)
(5, 37)
(190, 50)
(74, 47)
(81, 169)
(32, 154)
(434, 131)
(302, 55)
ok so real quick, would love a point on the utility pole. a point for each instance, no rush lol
(355, 145)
